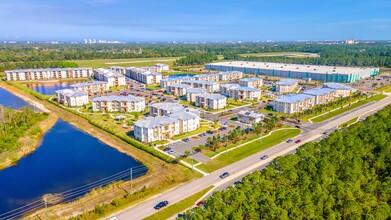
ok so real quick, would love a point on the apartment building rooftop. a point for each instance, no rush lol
(186, 114)
(118, 98)
(143, 71)
(250, 79)
(47, 69)
(250, 113)
(196, 90)
(183, 86)
(338, 86)
(212, 96)
(168, 79)
(108, 73)
(286, 82)
(168, 106)
(72, 92)
(319, 91)
(292, 98)
(228, 72)
(234, 86)
(88, 83)
(153, 122)
(200, 82)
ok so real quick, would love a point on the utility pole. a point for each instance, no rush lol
(131, 180)
(46, 208)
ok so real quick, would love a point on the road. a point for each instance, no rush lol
(241, 168)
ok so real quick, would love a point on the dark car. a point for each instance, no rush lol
(167, 149)
(224, 175)
(264, 157)
(185, 139)
(289, 141)
(161, 205)
(238, 182)
(297, 126)
(298, 141)
(325, 133)
(209, 132)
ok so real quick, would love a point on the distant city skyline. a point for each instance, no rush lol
(176, 20)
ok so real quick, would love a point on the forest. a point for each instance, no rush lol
(344, 176)
(195, 59)
(14, 124)
(363, 54)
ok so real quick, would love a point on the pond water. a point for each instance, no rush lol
(7, 99)
(180, 75)
(49, 88)
(66, 160)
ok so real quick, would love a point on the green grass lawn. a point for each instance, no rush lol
(190, 161)
(232, 103)
(386, 88)
(153, 87)
(178, 207)
(201, 129)
(210, 153)
(348, 108)
(279, 114)
(348, 123)
(160, 142)
(247, 150)
(135, 62)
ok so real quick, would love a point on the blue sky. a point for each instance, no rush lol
(198, 20)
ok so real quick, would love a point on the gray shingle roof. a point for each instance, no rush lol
(318, 91)
(118, 98)
(152, 122)
(286, 82)
(291, 98)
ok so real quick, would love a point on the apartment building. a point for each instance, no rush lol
(178, 89)
(322, 95)
(174, 80)
(238, 92)
(91, 88)
(119, 69)
(111, 77)
(293, 103)
(158, 128)
(72, 97)
(230, 75)
(193, 92)
(164, 108)
(250, 117)
(48, 74)
(208, 86)
(251, 82)
(341, 89)
(118, 104)
(159, 67)
(167, 124)
(211, 101)
(208, 77)
(142, 75)
(286, 85)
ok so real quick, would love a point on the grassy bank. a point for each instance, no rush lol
(28, 143)
(339, 111)
(179, 206)
(103, 201)
(247, 150)
(346, 124)
(134, 62)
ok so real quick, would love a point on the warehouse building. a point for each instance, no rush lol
(297, 71)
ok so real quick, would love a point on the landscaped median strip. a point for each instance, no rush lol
(248, 149)
(180, 206)
(348, 123)
(345, 108)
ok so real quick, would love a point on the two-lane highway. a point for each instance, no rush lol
(243, 167)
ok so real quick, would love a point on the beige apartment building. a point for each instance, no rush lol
(322, 95)
(118, 104)
(251, 82)
(293, 103)
(286, 85)
(48, 74)
(111, 77)
(211, 101)
(92, 88)
(72, 97)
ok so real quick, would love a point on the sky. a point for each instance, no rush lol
(194, 20)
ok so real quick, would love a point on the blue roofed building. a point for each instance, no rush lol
(341, 89)
(322, 95)
(293, 103)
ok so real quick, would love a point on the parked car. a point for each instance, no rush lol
(185, 139)
(172, 152)
(161, 205)
(289, 141)
(264, 157)
(224, 175)
(167, 149)
(325, 133)
(238, 127)
(200, 203)
(238, 182)
(297, 126)
(298, 141)
(226, 123)
(209, 132)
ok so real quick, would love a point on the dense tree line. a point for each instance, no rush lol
(373, 54)
(36, 64)
(345, 176)
(14, 124)
(196, 59)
